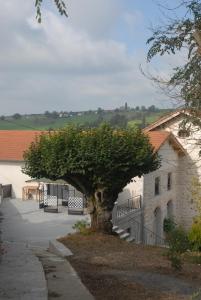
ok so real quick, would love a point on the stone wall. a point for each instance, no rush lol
(170, 164)
(190, 167)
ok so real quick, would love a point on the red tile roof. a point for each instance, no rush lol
(13, 143)
(158, 138)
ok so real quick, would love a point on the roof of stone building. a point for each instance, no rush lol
(158, 139)
(161, 121)
(13, 143)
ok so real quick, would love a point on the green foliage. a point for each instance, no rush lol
(196, 194)
(118, 120)
(17, 116)
(178, 244)
(178, 240)
(176, 35)
(91, 158)
(98, 162)
(176, 260)
(195, 231)
(195, 235)
(81, 227)
(168, 225)
(86, 120)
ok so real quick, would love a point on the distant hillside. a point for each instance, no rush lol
(46, 121)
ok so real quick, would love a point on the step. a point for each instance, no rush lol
(130, 239)
(120, 231)
(114, 228)
(124, 236)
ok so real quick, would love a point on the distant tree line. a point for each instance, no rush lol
(121, 117)
(100, 111)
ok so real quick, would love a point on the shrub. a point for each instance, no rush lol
(81, 226)
(168, 225)
(178, 240)
(178, 244)
(195, 235)
(176, 260)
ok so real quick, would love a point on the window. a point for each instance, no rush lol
(157, 186)
(169, 181)
(170, 209)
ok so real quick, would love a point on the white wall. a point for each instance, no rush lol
(10, 173)
(189, 168)
(170, 164)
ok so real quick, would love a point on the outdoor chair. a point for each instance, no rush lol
(76, 205)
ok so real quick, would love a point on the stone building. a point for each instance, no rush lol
(166, 192)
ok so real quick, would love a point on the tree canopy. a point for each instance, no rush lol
(177, 34)
(99, 162)
(60, 4)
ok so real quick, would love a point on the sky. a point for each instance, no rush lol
(90, 59)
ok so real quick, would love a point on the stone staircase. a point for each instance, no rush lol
(124, 234)
(122, 218)
(127, 220)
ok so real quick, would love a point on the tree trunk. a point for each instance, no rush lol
(101, 217)
(101, 222)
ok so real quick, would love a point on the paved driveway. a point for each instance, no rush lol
(24, 222)
(23, 228)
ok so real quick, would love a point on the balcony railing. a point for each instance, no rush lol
(126, 206)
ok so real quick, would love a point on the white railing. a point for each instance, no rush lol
(127, 206)
(128, 215)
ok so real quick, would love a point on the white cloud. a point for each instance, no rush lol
(96, 17)
(69, 64)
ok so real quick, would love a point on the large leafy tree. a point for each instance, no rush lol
(99, 162)
(181, 34)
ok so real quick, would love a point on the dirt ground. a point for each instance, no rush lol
(114, 269)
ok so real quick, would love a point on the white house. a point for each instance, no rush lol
(189, 137)
(166, 192)
(13, 143)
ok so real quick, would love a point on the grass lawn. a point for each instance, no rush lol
(114, 269)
